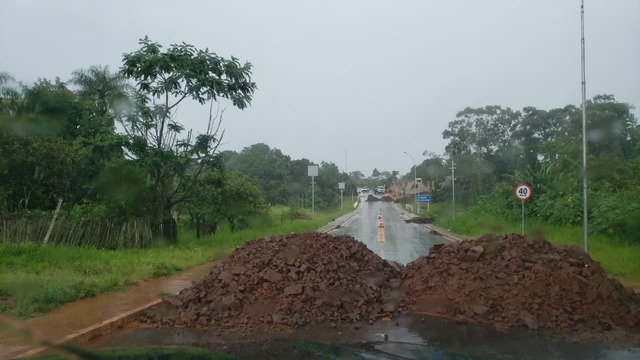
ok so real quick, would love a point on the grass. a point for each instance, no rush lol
(619, 257)
(35, 279)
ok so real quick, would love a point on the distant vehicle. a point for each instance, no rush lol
(381, 189)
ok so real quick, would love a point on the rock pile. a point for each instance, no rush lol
(513, 281)
(288, 281)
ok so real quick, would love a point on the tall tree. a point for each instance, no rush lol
(481, 131)
(269, 167)
(41, 158)
(537, 128)
(163, 80)
(433, 172)
(299, 180)
(327, 193)
(487, 135)
(611, 127)
(36, 171)
(240, 199)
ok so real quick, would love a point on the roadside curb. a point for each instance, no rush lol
(335, 224)
(440, 232)
(430, 227)
(93, 331)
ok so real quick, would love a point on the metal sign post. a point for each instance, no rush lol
(312, 170)
(341, 187)
(523, 193)
(426, 199)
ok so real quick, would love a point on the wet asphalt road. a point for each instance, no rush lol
(397, 240)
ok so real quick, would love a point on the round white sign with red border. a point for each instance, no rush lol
(523, 192)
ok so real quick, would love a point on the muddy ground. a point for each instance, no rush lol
(281, 283)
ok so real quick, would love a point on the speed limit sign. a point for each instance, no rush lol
(523, 192)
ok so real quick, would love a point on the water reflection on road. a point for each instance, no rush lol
(402, 242)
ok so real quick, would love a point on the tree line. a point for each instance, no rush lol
(495, 148)
(110, 145)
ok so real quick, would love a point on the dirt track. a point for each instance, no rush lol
(283, 282)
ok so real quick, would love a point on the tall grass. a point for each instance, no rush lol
(34, 278)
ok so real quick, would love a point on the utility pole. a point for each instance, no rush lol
(585, 213)
(453, 187)
(313, 199)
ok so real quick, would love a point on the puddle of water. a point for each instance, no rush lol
(409, 337)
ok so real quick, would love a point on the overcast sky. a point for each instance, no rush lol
(366, 79)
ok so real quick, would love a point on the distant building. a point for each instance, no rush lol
(406, 187)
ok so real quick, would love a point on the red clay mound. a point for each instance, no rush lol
(386, 198)
(421, 220)
(514, 281)
(288, 281)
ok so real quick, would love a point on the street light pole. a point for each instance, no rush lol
(415, 181)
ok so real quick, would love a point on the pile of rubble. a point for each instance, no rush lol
(511, 280)
(288, 281)
(421, 220)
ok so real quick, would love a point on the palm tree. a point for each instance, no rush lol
(98, 85)
(10, 93)
(5, 77)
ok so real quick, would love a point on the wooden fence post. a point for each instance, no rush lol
(55, 215)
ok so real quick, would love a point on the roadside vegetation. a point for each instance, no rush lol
(102, 185)
(108, 154)
(35, 279)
